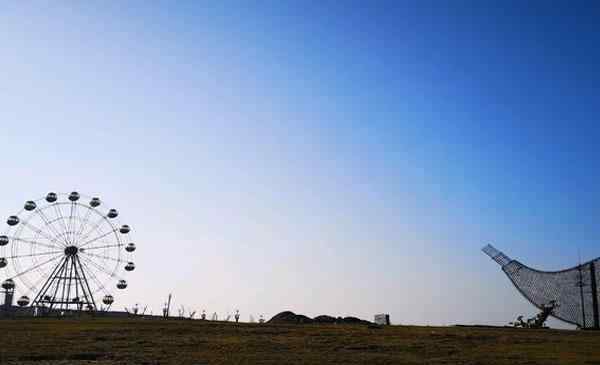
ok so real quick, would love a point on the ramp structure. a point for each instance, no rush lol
(574, 290)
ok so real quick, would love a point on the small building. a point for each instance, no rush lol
(382, 319)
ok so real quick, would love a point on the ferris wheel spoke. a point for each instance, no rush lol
(34, 287)
(99, 267)
(101, 287)
(101, 256)
(94, 228)
(39, 231)
(82, 225)
(60, 218)
(99, 237)
(73, 222)
(47, 222)
(104, 246)
(34, 254)
(31, 238)
(69, 223)
(32, 242)
(37, 266)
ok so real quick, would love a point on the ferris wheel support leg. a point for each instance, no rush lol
(40, 296)
(70, 282)
(78, 284)
(89, 299)
(63, 305)
(57, 287)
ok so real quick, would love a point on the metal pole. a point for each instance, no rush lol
(594, 295)
(581, 295)
(87, 286)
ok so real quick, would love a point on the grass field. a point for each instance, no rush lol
(130, 341)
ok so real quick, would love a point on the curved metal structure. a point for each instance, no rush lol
(574, 290)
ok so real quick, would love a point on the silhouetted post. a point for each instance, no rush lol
(581, 284)
(594, 295)
(167, 308)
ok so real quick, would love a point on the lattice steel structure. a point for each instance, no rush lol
(574, 290)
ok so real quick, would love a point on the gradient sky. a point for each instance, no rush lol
(323, 157)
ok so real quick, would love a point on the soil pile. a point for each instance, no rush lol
(352, 320)
(289, 317)
(325, 319)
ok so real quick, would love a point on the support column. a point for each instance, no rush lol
(594, 295)
(581, 284)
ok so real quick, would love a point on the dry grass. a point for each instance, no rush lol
(118, 341)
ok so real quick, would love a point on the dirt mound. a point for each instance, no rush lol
(290, 317)
(293, 318)
(352, 320)
(325, 319)
(340, 320)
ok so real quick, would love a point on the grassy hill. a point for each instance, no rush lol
(131, 341)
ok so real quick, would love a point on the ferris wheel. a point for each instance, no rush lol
(65, 250)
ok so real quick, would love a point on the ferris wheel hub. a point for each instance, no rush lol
(71, 250)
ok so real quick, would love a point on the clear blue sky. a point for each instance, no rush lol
(324, 157)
